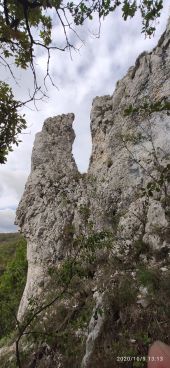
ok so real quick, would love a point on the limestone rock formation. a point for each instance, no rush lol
(47, 207)
(98, 243)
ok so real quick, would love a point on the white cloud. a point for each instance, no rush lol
(7, 217)
(12, 185)
(93, 71)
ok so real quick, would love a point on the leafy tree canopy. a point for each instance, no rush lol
(26, 25)
(11, 122)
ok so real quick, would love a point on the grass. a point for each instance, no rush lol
(8, 245)
(13, 265)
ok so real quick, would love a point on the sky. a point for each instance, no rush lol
(91, 71)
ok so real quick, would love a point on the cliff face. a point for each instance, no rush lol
(101, 239)
(47, 207)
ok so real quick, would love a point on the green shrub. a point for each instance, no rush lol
(12, 284)
(8, 245)
(149, 278)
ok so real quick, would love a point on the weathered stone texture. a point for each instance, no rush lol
(129, 152)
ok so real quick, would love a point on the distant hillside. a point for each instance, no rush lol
(8, 244)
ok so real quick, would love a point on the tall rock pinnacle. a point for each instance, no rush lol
(104, 233)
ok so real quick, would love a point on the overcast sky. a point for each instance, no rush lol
(93, 71)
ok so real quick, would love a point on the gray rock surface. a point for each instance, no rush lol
(122, 192)
(47, 207)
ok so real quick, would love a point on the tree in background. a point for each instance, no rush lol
(11, 123)
(26, 26)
